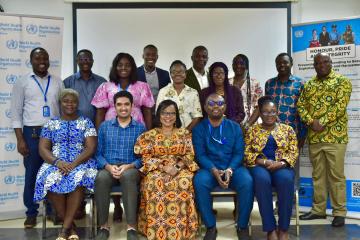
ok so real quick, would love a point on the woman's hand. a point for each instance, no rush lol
(170, 170)
(64, 167)
(274, 166)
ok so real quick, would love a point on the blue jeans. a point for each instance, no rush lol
(241, 182)
(283, 182)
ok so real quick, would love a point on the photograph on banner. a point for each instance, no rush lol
(340, 39)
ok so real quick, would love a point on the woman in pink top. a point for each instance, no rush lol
(123, 77)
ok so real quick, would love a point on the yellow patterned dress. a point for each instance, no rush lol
(167, 209)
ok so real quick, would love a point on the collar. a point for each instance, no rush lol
(148, 71)
(115, 122)
(78, 75)
(33, 74)
(331, 75)
(197, 74)
(291, 78)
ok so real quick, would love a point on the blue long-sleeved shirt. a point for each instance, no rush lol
(210, 153)
(116, 144)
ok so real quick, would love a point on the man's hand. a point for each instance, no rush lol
(124, 167)
(114, 170)
(22, 148)
(218, 174)
(316, 126)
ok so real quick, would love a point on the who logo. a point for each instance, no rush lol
(9, 179)
(10, 146)
(12, 44)
(11, 78)
(8, 113)
(32, 29)
(299, 34)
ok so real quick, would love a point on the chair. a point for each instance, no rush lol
(89, 196)
(115, 191)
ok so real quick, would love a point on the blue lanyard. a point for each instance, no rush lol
(221, 141)
(120, 89)
(42, 90)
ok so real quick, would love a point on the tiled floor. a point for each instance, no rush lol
(309, 230)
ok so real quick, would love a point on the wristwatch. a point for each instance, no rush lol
(177, 167)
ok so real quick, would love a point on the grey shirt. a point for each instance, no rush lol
(153, 81)
(86, 90)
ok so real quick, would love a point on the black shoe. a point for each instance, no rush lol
(338, 221)
(243, 234)
(210, 234)
(311, 216)
(131, 234)
(30, 222)
(102, 234)
(55, 219)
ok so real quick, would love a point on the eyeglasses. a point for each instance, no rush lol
(168, 114)
(269, 114)
(212, 103)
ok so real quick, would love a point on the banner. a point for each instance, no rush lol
(340, 39)
(19, 34)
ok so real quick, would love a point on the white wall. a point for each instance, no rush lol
(302, 11)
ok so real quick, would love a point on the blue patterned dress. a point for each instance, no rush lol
(68, 139)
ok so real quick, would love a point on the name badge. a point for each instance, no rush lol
(46, 111)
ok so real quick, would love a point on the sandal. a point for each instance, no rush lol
(73, 233)
(63, 235)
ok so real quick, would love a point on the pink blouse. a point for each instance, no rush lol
(141, 92)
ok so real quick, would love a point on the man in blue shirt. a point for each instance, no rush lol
(117, 163)
(219, 149)
(334, 35)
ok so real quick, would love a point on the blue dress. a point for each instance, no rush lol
(68, 139)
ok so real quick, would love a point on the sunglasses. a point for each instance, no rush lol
(212, 103)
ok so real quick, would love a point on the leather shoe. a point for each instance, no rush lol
(210, 234)
(338, 221)
(311, 216)
(243, 234)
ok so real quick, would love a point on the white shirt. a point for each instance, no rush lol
(27, 100)
(202, 79)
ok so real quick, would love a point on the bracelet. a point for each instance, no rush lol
(177, 167)
(230, 170)
(264, 162)
(54, 163)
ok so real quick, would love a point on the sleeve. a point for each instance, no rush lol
(99, 156)
(199, 141)
(100, 99)
(250, 154)
(188, 157)
(17, 104)
(238, 152)
(302, 106)
(160, 98)
(144, 147)
(267, 87)
(196, 107)
(45, 131)
(338, 107)
(90, 130)
(146, 97)
(302, 126)
(202, 97)
(238, 105)
(137, 162)
(291, 154)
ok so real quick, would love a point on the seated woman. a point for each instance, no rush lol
(219, 84)
(167, 207)
(271, 152)
(66, 145)
(186, 98)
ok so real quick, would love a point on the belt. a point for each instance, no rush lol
(37, 127)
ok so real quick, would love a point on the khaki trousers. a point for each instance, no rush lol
(328, 177)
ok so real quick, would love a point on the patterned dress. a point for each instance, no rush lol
(167, 209)
(68, 138)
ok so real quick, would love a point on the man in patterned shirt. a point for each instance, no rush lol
(322, 106)
(285, 89)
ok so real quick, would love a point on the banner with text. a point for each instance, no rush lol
(341, 40)
(19, 34)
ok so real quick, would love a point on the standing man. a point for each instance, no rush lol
(157, 78)
(85, 82)
(196, 77)
(322, 106)
(35, 99)
(334, 36)
(285, 89)
(324, 37)
(118, 164)
(219, 149)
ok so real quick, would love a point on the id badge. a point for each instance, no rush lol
(46, 111)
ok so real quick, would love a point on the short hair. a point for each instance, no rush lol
(113, 71)
(150, 46)
(125, 94)
(262, 101)
(68, 91)
(177, 62)
(164, 104)
(84, 51)
(37, 49)
(199, 48)
(282, 55)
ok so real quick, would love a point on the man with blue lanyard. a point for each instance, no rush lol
(219, 150)
(35, 99)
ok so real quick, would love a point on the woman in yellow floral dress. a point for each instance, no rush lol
(167, 208)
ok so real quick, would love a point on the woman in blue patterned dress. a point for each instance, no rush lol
(67, 144)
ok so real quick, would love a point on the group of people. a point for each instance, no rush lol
(332, 38)
(169, 139)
